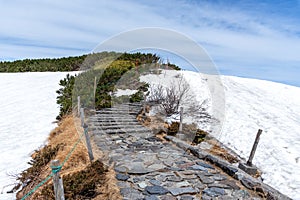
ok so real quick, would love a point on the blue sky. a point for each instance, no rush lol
(257, 39)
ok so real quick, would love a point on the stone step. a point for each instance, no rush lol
(132, 130)
(111, 132)
(121, 127)
(114, 120)
(116, 124)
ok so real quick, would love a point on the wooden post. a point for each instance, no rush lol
(249, 162)
(95, 87)
(78, 105)
(82, 116)
(57, 181)
(88, 142)
(181, 119)
(144, 102)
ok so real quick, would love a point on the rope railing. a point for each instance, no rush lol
(57, 169)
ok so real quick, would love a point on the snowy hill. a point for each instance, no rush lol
(28, 108)
(249, 105)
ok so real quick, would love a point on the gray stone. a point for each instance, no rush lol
(214, 192)
(154, 182)
(219, 177)
(138, 168)
(231, 184)
(248, 183)
(156, 190)
(137, 179)
(203, 164)
(142, 184)
(122, 177)
(205, 179)
(152, 197)
(121, 169)
(185, 190)
(252, 170)
(186, 197)
(174, 178)
(197, 167)
(126, 191)
(167, 197)
(240, 194)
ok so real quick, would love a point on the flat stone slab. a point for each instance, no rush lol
(184, 190)
(159, 190)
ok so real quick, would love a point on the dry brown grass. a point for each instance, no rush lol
(219, 151)
(67, 134)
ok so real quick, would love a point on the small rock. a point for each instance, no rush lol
(152, 197)
(240, 194)
(231, 184)
(156, 190)
(214, 192)
(137, 179)
(197, 167)
(122, 177)
(185, 190)
(205, 179)
(154, 182)
(187, 197)
(219, 177)
(174, 178)
(183, 184)
(142, 184)
(203, 164)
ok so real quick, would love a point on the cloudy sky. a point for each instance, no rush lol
(259, 39)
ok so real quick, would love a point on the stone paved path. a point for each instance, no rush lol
(147, 168)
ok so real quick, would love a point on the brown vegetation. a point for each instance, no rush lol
(82, 179)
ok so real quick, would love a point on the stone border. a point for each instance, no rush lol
(245, 179)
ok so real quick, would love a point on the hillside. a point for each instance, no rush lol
(249, 105)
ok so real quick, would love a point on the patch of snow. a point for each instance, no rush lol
(251, 105)
(127, 92)
(28, 108)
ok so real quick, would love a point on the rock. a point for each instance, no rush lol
(121, 169)
(203, 164)
(231, 184)
(186, 197)
(230, 170)
(156, 190)
(205, 179)
(122, 177)
(240, 194)
(138, 168)
(174, 178)
(167, 197)
(142, 184)
(219, 177)
(185, 190)
(248, 183)
(152, 197)
(137, 179)
(214, 192)
(182, 184)
(197, 167)
(154, 182)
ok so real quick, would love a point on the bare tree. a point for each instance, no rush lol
(170, 99)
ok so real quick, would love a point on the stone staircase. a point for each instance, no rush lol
(120, 119)
(148, 168)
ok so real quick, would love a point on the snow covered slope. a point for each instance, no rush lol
(27, 109)
(251, 105)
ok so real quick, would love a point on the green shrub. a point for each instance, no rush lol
(200, 136)
(173, 128)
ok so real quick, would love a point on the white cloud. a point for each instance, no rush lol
(232, 34)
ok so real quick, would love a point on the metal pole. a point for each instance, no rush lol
(82, 116)
(249, 162)
(57, 181)
(78, 105)
(181, 119)
(88, 142)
